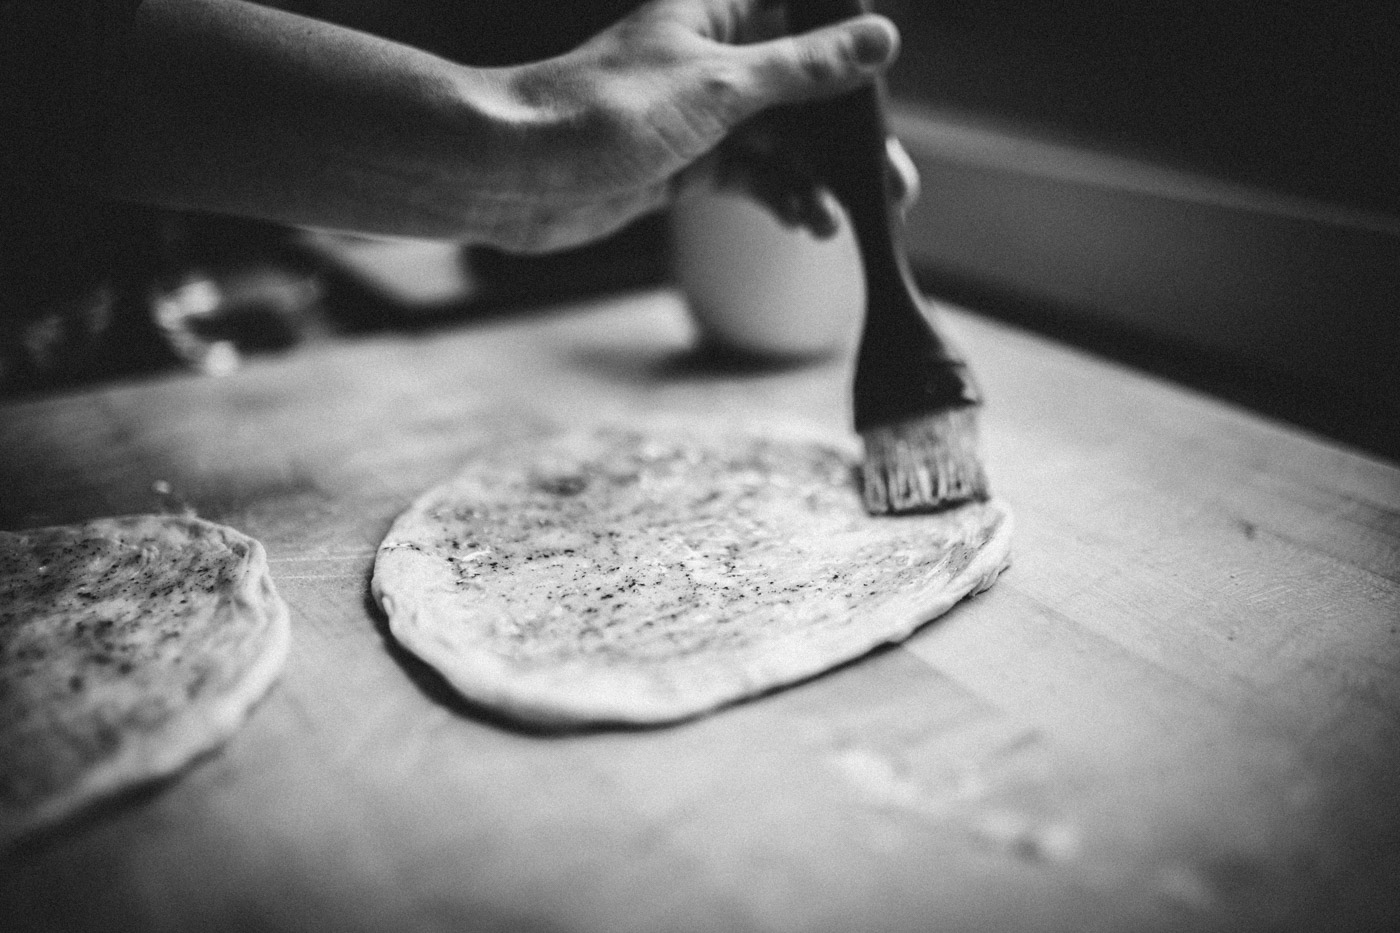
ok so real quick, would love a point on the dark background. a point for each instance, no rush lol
(1298, 95)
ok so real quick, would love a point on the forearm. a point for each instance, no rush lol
(236, 108)
(231, 107)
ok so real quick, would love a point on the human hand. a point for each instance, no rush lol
(236, 108)
(759, 162)
(619, 126)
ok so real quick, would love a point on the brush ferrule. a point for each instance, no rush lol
(908, 387)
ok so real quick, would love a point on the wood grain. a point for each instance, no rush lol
(1179, 710)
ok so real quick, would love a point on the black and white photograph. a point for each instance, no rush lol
(699, 466)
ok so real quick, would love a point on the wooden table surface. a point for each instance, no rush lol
(1179, 710)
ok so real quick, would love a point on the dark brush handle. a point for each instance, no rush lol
(905, 369)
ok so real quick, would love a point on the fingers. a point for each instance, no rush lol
(904, 177)
(791, 198)
(755, 162)
(818, 64)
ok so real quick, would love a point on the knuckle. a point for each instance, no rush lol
(725, 86)
(821, 65)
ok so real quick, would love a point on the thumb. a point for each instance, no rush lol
(821, 63)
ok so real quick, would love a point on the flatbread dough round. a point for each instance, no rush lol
(128, 647)
(642, 576)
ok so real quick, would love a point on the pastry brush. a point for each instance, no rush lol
(915, 401)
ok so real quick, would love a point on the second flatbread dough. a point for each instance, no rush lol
(128, 647)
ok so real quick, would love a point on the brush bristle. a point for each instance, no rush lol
(924, 464)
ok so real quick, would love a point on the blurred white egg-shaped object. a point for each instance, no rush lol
(759, 288)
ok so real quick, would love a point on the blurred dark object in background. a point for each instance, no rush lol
(147, 291)
(94, 292)
(71, 273)
(245, 296)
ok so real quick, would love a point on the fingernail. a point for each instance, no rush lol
(873, 44)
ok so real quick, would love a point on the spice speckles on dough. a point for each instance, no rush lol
(116, 638)
(653, 558)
